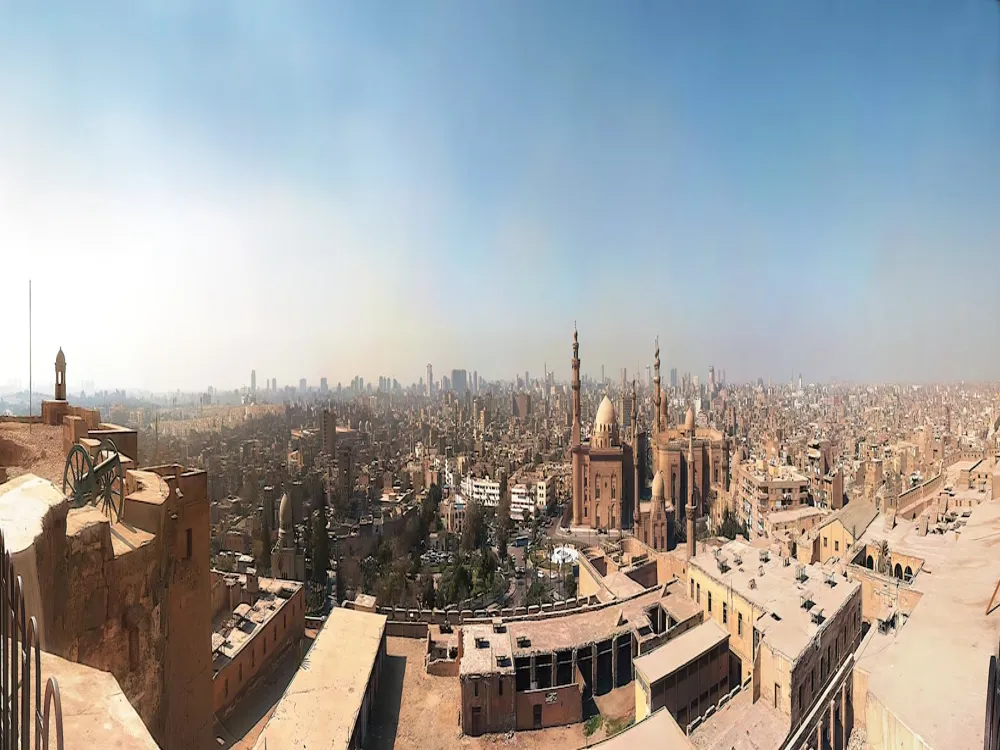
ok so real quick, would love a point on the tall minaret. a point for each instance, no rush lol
(575, 436)
(655, 423)
(636, 458)
(691, 508)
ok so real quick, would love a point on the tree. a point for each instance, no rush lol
(731, 527)
(427, 594)
(536, 592)
(884, 561)
(341, 587)
(264, 558)
(474, 533)
(320, 547)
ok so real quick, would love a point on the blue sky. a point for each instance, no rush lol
(343, 188)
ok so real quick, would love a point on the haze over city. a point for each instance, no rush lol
(325, 191)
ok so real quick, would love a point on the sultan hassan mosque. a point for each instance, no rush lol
(610, 469)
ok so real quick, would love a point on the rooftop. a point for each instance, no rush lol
(657, 730)
(777, 591)
(322, 703)
(234, 630)
(679, 651)
(948, 634)
(485, 651)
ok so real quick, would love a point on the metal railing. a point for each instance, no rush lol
(20, 653)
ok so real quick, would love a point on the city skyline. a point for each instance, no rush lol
(775, 189)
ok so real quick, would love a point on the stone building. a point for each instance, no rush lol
(128, 595)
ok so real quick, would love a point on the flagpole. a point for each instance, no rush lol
(29, 357)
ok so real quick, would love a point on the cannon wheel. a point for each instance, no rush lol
(77, 476)
(110, 483)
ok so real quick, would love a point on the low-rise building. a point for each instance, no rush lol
(761, 488)
(482, 490)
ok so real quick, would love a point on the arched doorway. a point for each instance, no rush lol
(870, 563)
(899, 571)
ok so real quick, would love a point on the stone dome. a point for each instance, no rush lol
(606, 420)
(285, 516)
(658, 484)
(689, 419)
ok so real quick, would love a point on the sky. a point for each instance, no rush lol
(330, 189)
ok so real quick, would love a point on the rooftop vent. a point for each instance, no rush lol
(765, 555)
(776, 617)
(817, 616)
(523, 641)
(800, 573)
(760, 571)
(482, 642)
(723, 565)
(831, 579)
(785, 562)
(738, 559)
(753, 583)
(806, 601)
(503, 661)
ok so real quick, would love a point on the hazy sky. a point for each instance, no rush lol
(334, 189)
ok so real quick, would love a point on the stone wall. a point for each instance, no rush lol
(560, 705)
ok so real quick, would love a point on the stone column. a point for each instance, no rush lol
(843, 711)
(572, 665)
(833, 723)
(532, 677)
(555, 672)
(593, 668)
(819, 733)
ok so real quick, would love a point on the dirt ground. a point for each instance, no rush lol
(38, 450)
(419, 711)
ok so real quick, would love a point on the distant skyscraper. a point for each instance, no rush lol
(274, 385)
(302, 385)
(323, 387)
(430, 380)
(527, 380)
(459, 381)
(253, 381)
(673, 377)
(649, 377)
(475, 382)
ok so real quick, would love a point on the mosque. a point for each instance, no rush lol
(609, 470)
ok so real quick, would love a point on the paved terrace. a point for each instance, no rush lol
(931, 673)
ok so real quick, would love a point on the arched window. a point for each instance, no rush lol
(899, 571)
(908, 573)
(614, 480)
(870, 563)
(597, 487)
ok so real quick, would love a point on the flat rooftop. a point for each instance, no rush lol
(795, 514)
(235, 629)
(679, 651)
(486, 652)
(777, 592)
(948, 635)
(321, 705)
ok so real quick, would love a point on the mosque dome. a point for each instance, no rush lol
(658, 484)
(689, 419)
(285, 516)
(607, 420)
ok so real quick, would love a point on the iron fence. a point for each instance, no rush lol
(21, 670)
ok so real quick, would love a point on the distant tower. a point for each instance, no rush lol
(430, 380)
(253, 381)
(691, 509)
(60, 376)
(575, 434)
(655, 423)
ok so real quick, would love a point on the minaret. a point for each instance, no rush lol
(691, 509)
(636, 458)
(656, 388)
(575, 436)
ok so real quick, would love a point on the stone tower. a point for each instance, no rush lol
(691, 508)
(575, 437)
(60, 376)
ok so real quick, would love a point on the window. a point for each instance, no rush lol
(698, 596)
(826, 542)
(613, 487)
(500, 682)
(739, 624)
(836, 545)
(597, 489)
(190, 546)
(710, 602)
(725, 613)
(692, 588)
(475, 687)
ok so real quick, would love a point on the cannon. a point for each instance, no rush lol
(99, 481)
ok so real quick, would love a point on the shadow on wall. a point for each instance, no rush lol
(385, 721)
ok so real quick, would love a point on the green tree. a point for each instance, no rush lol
(427, 594)
(474, 533)
(536, 591)
(320, 547)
